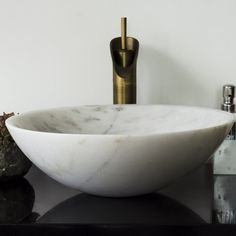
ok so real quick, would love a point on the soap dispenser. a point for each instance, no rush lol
(224, 168)
(225, 156)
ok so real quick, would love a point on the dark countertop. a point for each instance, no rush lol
(39, 203)
(193, 191)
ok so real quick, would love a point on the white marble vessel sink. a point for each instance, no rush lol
(119, 150)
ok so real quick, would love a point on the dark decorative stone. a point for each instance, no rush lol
(13, 162)
(16, 201)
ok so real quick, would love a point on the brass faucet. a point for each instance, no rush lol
(124, 53)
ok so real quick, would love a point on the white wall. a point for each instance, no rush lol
(56, 52)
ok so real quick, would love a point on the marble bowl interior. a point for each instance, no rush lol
(121, 120)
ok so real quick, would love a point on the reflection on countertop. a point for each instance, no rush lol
(16, 202)
(39, 198)
(152, 208)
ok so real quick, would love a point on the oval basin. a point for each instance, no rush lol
(119, 150)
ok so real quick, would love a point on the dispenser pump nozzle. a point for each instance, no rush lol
(228, 95)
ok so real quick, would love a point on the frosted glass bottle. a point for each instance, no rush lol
(224, 169)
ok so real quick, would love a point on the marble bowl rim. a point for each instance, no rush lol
(10, 121)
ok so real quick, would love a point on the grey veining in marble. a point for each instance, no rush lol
(131, 120)
(119, 150)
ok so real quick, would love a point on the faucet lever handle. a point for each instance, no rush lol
(124, 33)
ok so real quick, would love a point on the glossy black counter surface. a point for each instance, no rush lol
(40, 202)
(148, 209)
(114, 230)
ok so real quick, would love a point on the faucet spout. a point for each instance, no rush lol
(124, 53)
